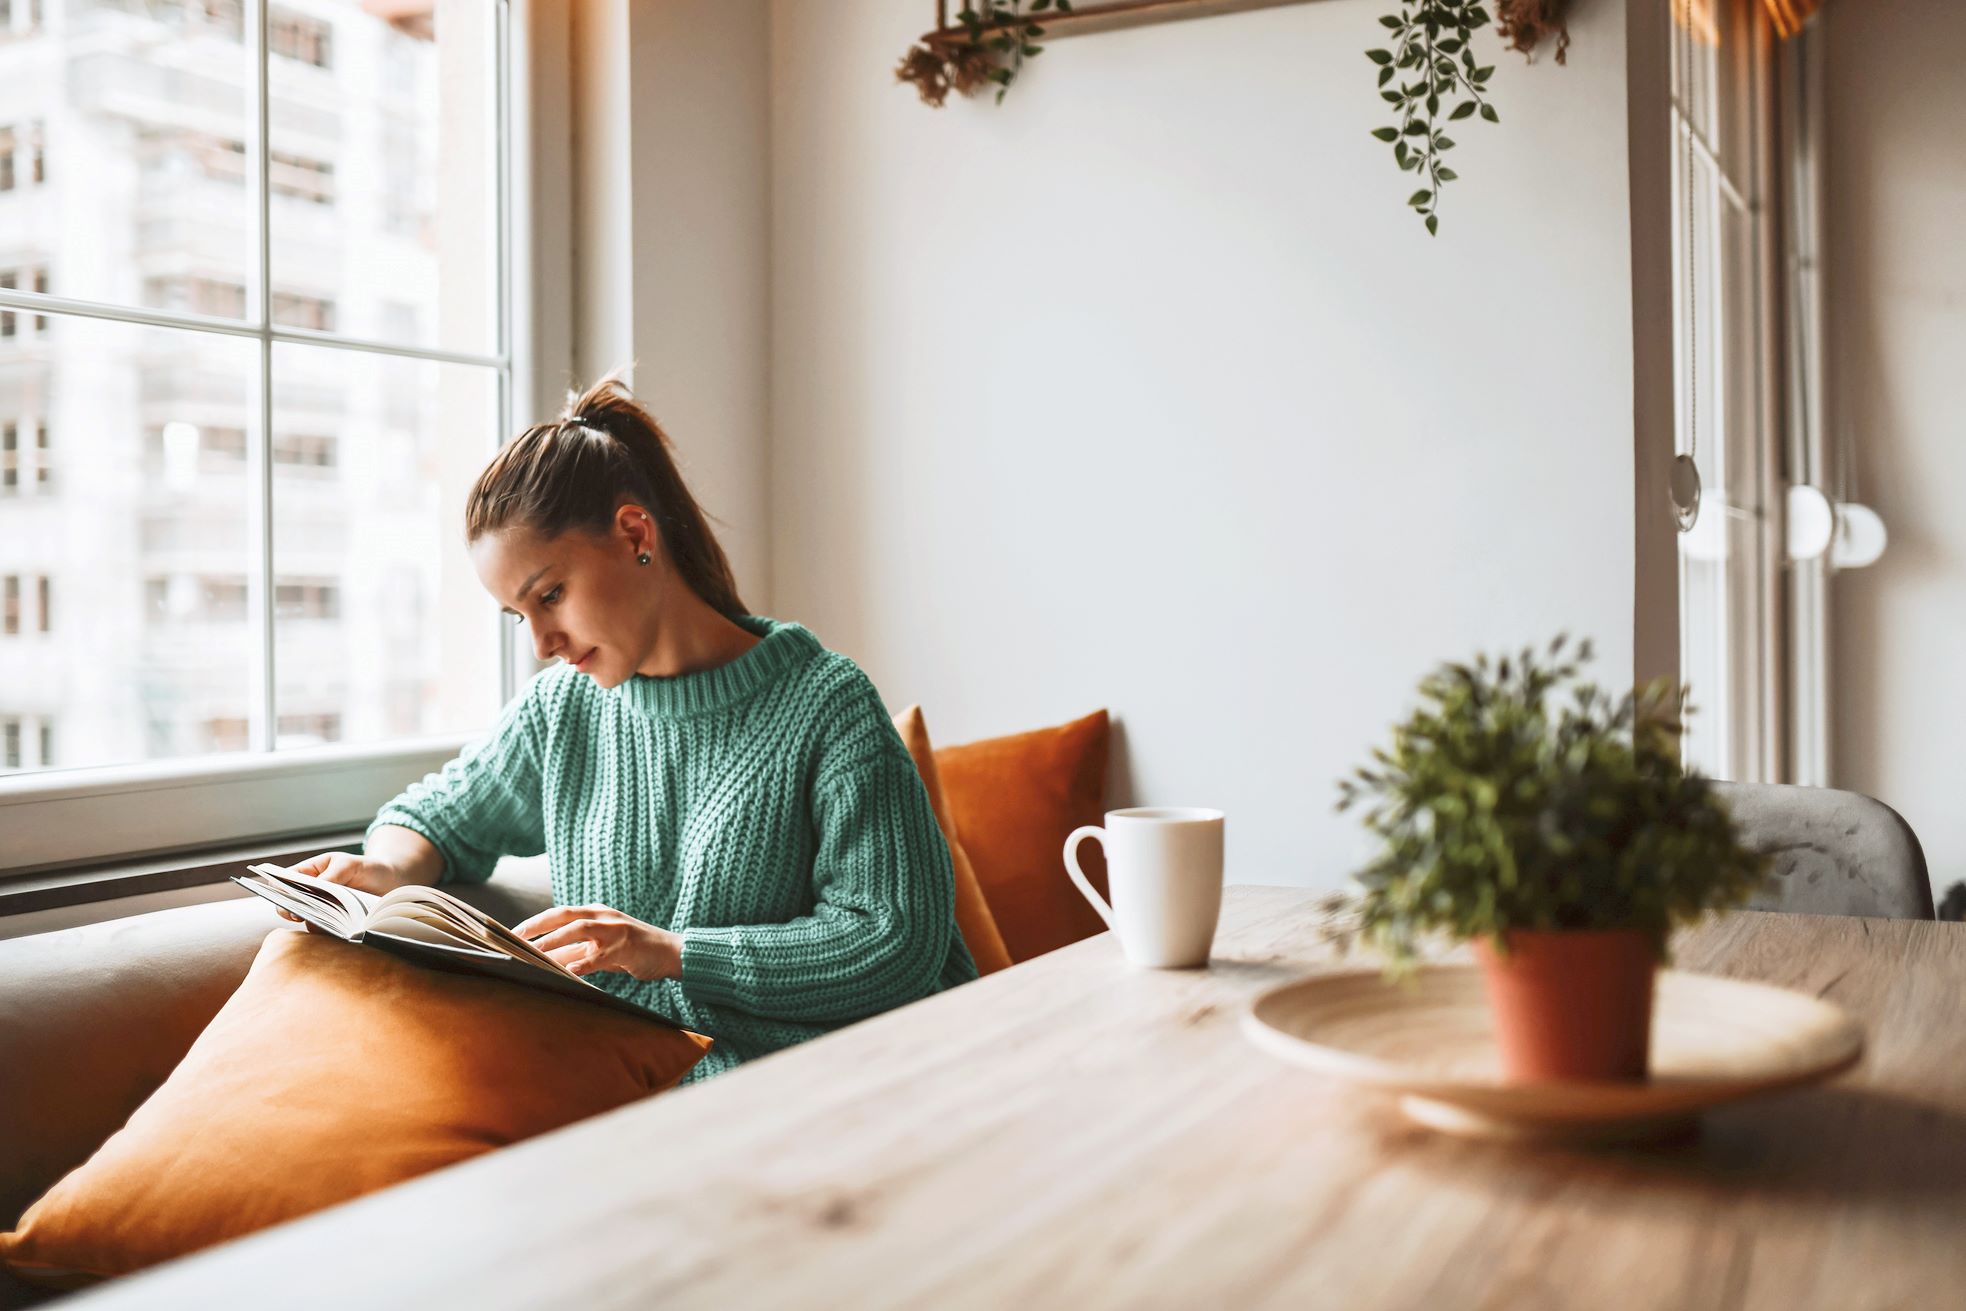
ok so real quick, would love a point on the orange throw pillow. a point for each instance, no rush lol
(1014, 800)
(973, 918)
(333, 1071)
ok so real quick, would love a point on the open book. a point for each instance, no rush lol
(429, 926)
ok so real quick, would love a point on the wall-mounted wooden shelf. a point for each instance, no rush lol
(1086, 19)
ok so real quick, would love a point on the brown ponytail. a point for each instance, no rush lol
(606, 451)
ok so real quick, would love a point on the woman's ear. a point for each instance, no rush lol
(637, 527)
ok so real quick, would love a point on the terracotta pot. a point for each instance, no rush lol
(1572, 1004)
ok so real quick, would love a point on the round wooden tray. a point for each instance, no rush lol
(1430, 1044)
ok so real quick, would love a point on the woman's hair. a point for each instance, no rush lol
(604, 452)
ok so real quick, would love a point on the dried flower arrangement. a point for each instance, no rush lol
(1525, 24)
(987, 48)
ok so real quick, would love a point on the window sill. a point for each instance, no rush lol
(62, 823)
(120, 879)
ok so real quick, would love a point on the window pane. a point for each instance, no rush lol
(123, 166)
(124, 548)
(1727, 572)
(383, 184)
(381, 629)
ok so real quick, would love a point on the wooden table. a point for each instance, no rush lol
(1075, 1133)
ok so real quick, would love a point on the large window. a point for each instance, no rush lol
(1730, 560)
(253, 280)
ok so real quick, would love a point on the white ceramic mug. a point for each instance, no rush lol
(1164, 870)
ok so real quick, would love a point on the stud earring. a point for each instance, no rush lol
(643, 558)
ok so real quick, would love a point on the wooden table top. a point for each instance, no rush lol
(1073, 1132)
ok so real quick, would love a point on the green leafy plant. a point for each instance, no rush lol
(1520, 797)
(1428, 65)
(1002, 27)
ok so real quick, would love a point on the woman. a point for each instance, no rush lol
(738, 839)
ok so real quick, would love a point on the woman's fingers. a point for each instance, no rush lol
(559, 937)
(580, 930)
(555, 916)
(581, 939)
(551, 917)
(577, 959)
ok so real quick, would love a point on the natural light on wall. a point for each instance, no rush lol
(236, 438)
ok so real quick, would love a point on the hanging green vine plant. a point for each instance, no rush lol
(1430, 63)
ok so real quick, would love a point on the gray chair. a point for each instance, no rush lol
(1835, 853)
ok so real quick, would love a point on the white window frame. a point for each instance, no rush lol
(1736, 734)
(94, 816)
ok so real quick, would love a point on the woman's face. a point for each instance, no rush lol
(584, 596)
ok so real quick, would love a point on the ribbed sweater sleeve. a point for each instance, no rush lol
(486, 803)
(880, 929)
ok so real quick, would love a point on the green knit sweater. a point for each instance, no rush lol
(766, 810)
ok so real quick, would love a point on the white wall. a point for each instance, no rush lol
(1896, 295)
(673, 239)
(1145, 391)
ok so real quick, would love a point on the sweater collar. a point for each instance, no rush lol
(784, 647)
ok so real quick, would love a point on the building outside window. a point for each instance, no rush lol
(26, 467)
(216, 297)
(303, 178)
(262, 460)
(23, 279)
(227, 16)
(23, 157)
(17, 733)
(293, 310)
(298, 37)
(304, 450)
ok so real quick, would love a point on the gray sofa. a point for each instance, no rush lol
(93, 1019)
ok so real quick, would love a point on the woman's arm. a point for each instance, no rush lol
(411, 856)
(485, 804)
(884, 922)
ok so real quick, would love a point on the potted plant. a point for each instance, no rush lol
(1553, 826)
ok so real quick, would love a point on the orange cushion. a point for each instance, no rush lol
(333, 1071)
(973, 918)
(1014, 800)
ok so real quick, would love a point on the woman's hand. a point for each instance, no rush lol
(364, 872)
(587, 939)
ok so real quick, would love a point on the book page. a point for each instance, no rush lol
(290, 901)
(462, 913)
(409, 924)
(310, 900)
(427, 920)
(352, 903)
(413, 907)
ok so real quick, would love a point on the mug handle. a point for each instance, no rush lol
(1078, 875)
